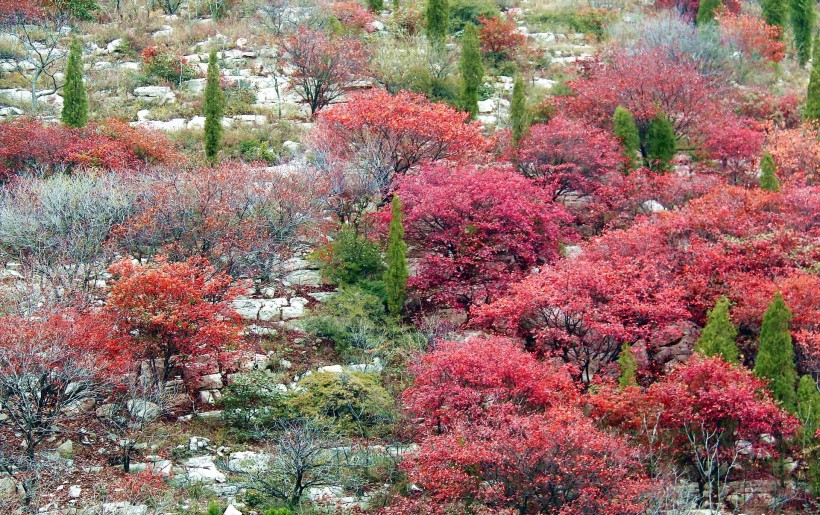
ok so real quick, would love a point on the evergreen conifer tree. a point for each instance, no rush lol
(706, 11)
(629, 367)
(802, 17)
(375, 5)
(75, 99)
(718, 337)
(519, 119)
(768, 178)
(626, 131)
(213, 509)
(214, 108)
(775, 353)
(775, 12)
(438, 20)
(472, 71)
(812, 111)
(396, 273)
(660, 142)
(808, 408)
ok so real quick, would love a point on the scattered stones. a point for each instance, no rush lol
(230, 510)
(248, 461)
(197, 443)
(74, 491)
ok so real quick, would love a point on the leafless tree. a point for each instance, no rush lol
(300, 456)
(39, 35)
(57, 229)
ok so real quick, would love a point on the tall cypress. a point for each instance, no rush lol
(768, 176)
(775, 12)
(808, 408)
(718, 337)
(660, 142)
(629, 367)
(625, 129)
(375, 5)
(519, 121)
(775, 353)
(438, 20)
(396, 273)
(706, 11)
(213, 107)
(812, 111)
(802, 17)
(472, 71)
(75, 99)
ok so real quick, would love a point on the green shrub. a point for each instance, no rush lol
(252, 401)
(239, 99)
(161, 63)
(256, 150)
(351, 402)
(463, 12)
(353, 319)
(351, 258)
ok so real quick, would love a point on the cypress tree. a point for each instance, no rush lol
(519, 121)
(75, 100)
(629, 367)
(626, 131)
(718, 337)
(775, 12)
(375, 5)
(438, 20)
(768, 178)
(395, 276)
(812, 111)
(214, 107)
(472, 71)
(808, 408)
(775, 353)
(706, 11)
(660, 142)
(213, 509)
(802, 16)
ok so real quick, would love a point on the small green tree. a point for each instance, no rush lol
(75, 99)
(768, 177)
(706, 11)
(718, 337)
(625, 129)
(660, 142)
(775, 12)
(395, 276)
(213, 509)
(775, 353)
(812, 111)
(802, 17)
(519, 118)
(214, 108)
(375, 5)
(437, 16)
(472, 71)
(629, 367)
(808, 408)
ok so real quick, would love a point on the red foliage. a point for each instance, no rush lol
(393, 134)
(470, 380)
(569, 156)
(689, 8)
(179, 314)
(500, 38)
(644, 86)
(29, 146)
(735, 145)
(797, 154)
(633, 285)
(751, 35)
(479, 228)
(353, 15)
(552, 462)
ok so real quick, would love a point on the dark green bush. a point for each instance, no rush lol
(252, 401)
(351, 258)
(463, 12)
(354, 319)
